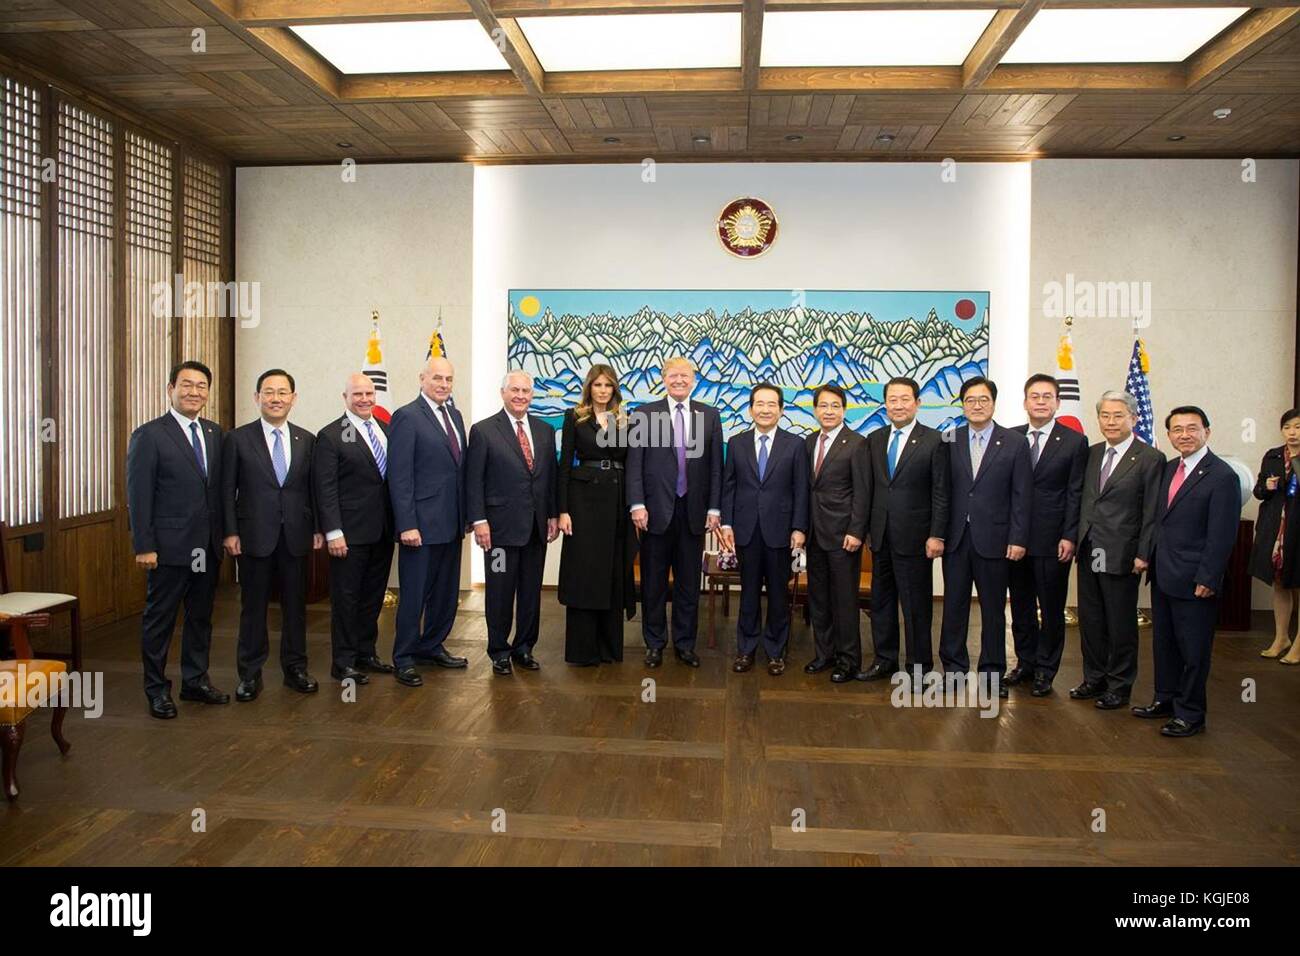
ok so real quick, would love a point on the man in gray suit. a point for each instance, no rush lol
(1121, 487)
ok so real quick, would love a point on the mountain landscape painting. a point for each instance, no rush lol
(798, 340)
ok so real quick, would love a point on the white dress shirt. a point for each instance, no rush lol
(830, 437)
(1191, 461)
(514, 429)
(1120, 451)
(268, 430)
(185, 424)
(359, 424)
(437, 414)
(1042, 439)
(902, 442)
(688, 420)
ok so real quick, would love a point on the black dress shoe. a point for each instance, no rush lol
(1003, 690)
(689, 658)
(442, 659)
(527, 661)
(743, 663)
(654, 656)
(1181, 728)
(816, 667)
(1085, 690)
(204, 694)
(842, 675)
(162, 707)
(373, 664)
(502, 667)
(1018, 675)
(349, 673)
(301, 681)
(878, 670)
(249, 689)
(1110, 701)
(408, 676)
(1042, 687)
(1157, 708)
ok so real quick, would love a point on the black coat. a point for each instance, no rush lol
(778, 504)
(652, 464)
(914, 505)
(1058, 489)
(1120, 520)
(596, 560)
(993, 505)
(173, 511)
(255, 504)
(500, 488)
(350, 494)
(1195, 533)
(1271, 506)
(839, 496)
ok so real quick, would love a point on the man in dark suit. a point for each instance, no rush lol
(1196, 527)
(839, 508)
(909, 518)
(348, 468)
(988, 530)
(173, 493)
(270, 528)
(1040, 582)
(674, 487)
(426, 482)
(1117, 516)
(513, 505)
(764, 519)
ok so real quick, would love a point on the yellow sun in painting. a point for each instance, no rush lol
(529, 305)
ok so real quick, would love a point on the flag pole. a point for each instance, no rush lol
(390, 596)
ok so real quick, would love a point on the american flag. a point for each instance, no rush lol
(1137, 386)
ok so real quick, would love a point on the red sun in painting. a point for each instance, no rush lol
(965, 309)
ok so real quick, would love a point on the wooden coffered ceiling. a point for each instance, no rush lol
(258, 94)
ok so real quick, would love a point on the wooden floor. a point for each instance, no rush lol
(713, 772)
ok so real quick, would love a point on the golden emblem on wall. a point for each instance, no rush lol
(747, 227)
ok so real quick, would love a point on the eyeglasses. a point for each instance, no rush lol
(977, 401)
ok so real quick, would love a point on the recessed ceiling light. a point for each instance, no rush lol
(794, 138)
(1223, 112)
(641, 41)
(1176, 137)
(343, 145)
(871, 37)
(1119, 35)
(885, 138)
(612, 139)
(699, 139)
(423, 46)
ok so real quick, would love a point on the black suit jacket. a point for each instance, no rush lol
(840, 494)
(779, 503)
(1194, 535)
(255, 505)
(993, 505)
(425, 483)
(500, 488)
(172, 509)
(349, 493)
(1058, 489)
(1120, 519)
(914, 505)
(652, 464)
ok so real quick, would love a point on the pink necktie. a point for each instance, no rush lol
(1177, 483)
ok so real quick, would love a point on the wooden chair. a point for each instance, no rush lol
(18, 603)
(13, 715)
(798, 596)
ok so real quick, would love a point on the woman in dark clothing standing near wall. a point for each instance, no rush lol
(1275, 557)
(596, 585)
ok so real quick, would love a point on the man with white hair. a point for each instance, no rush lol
(513, 507)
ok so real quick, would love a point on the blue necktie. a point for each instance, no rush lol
(198, 449)
(893, 451)
(762, 456)
(277, 458)
(381, 460)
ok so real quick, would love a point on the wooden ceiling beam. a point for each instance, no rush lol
(1243, 39)
(1094, 77)
(514, 46)
(995, 41)
(277, 13)
(751, 42)
(395, 87)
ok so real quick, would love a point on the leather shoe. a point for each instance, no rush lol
(776, 667)
(743, 663)
(502, 667)
(816, 667)
(689, 658)
(349, 673)
(248, 689)
(1003, 690)
(527, 661)
(1018, 675)
(1085, 690)
(375, 665)
(1110, 701)
(843, 674)
(1157, 708)
(204, 694)
(878, 670)
(1042, 687)
(301, 681)
(1181, 728)
(408, 676)
(162, 707)
(654, 656)
(442, 659)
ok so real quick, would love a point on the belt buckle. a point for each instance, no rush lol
(604, 464)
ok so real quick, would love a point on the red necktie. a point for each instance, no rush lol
(523, 445)
(821, 454)
(1177, 483)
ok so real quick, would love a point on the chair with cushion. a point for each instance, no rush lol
(15, 708)
(16, 603)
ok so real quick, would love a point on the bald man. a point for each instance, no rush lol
(349, 468)
(426, 482)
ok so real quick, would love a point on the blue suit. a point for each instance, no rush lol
(988, 511)
(1191, 545)
(762, 512)
(426, 483)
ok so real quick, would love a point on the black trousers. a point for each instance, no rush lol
(357, 585)
(428, 579)
(255, 577)
(762, 566)
(904, 579)
(513, 592)
(169, 586)
(1183, 637)
(1108, 627)
(677, 548)
(991, 576)
(833, 579)
(1039, 583)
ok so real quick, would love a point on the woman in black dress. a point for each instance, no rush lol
(1274, 559)
(596, 585)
